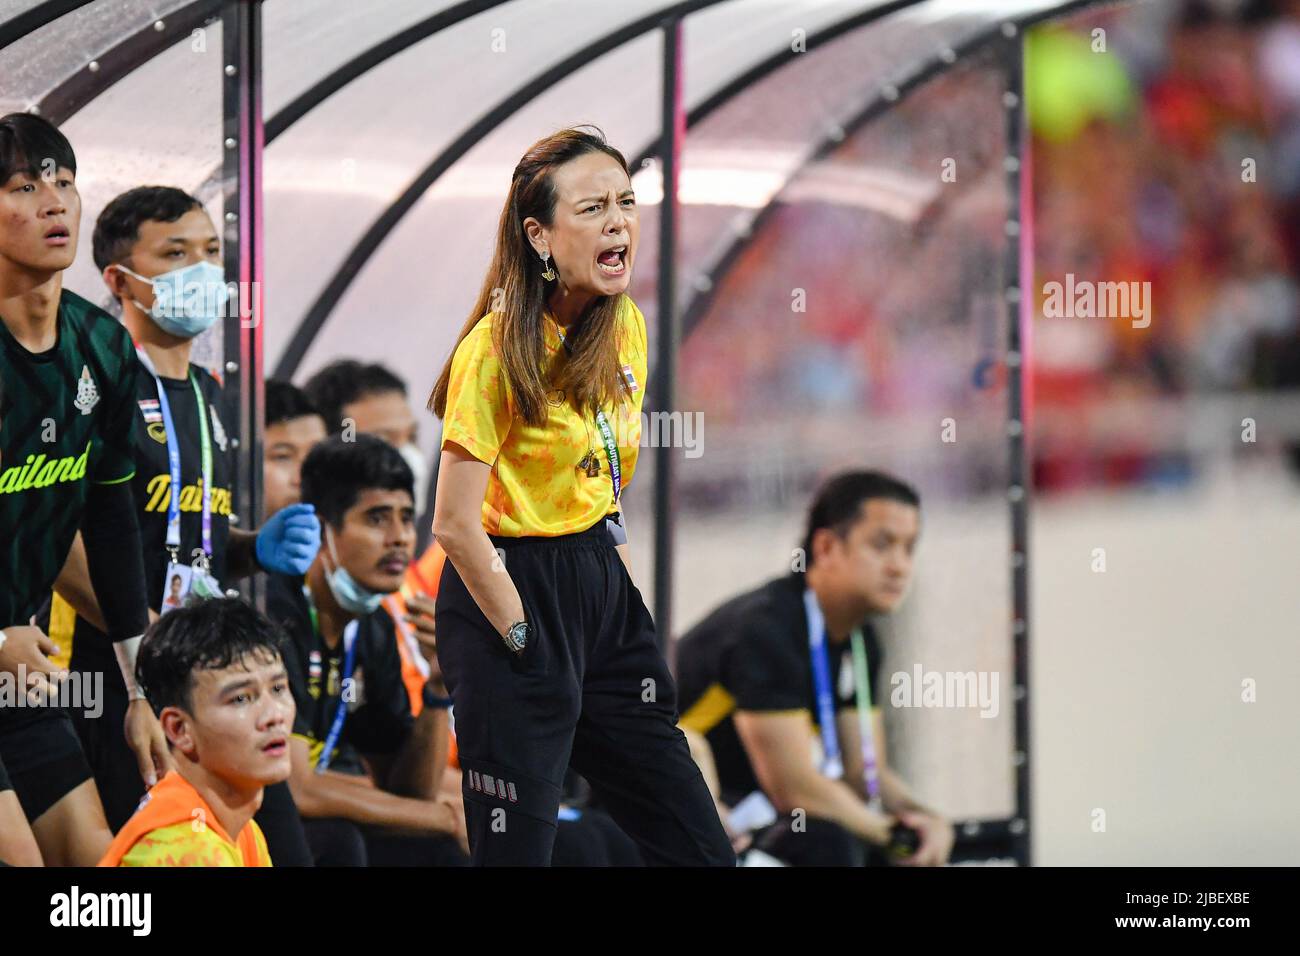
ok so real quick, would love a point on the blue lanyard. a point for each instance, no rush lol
(174, 462)
(349, 660)
(832, 763)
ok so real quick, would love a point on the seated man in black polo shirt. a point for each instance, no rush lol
(757, 681)
(366, 773)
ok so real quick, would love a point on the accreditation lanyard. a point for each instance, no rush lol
(349, 660)
(607, 436)
(832, 762)
(174, 461)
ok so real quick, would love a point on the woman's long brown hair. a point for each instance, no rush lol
(516, 292)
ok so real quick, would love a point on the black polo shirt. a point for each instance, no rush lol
(378, 712)
(752, 654)
(91, 650)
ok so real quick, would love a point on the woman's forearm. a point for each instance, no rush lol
(484, 572)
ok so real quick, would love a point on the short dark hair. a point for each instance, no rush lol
(206, 635)
(335, 473)
(118, 227)
(344, 382)
(286, 401)
(838, 504)
(27, 141)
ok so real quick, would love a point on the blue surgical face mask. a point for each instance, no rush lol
(351, 595)
(188, 300)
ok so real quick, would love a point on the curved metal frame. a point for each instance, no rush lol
(368, 243)
(130, 53)
(32, 20)
(124, 58)
(770, 64)
(723, 261)
(363, 62)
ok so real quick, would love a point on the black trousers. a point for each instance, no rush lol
(337, 842)
(818, 842)
(591, 840)
(590, 690)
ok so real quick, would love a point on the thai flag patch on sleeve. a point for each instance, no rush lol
(631, 379)
(151, 410)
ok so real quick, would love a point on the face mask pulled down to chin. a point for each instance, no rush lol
(351, 594)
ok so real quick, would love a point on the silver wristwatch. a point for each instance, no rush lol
(516, 637)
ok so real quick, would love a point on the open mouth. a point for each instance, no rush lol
(277, 747)
(57, 236)
(394, 564)
(613, 262)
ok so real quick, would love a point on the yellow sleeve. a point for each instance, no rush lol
(478, 411)
(180, 845)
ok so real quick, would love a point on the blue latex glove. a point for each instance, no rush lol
(288, 542)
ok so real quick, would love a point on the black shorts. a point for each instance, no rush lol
(591, 690)
(42, 756)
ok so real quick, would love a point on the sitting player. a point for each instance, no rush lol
(367, 772)
(215, 675)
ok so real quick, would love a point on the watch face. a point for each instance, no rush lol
(518, 637)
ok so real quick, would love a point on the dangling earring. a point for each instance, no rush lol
(549, 274)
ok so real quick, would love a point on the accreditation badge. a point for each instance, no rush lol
(176, 586)
(183, 583)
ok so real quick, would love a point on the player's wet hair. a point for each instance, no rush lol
(336, 471)
(27, 145)
(286, 402)
(205, 635)
(838, 504)
(118, 227)
(344, 382)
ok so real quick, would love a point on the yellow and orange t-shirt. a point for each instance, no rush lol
(174, 826)
(536, 486)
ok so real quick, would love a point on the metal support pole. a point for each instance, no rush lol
(1017, 269)
(673, 129)
(242, 143)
